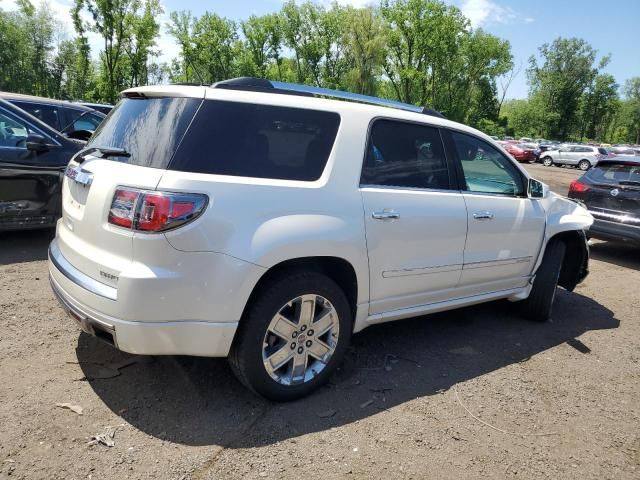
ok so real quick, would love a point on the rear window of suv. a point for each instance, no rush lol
(615, 173)
(263, 141)
(149, 129)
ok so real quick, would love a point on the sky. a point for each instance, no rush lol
(611, 27)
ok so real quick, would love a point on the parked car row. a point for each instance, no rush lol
(38, 136)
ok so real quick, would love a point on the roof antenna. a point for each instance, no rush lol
(190, 63)
(196, 71)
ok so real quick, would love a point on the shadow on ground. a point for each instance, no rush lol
(25, 246)
(622, 254)
(197, 401)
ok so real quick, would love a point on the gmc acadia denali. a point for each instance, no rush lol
(268, 222)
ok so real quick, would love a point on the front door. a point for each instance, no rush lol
(505, 227)
(416, 222)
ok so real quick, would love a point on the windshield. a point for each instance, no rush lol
(149, 129)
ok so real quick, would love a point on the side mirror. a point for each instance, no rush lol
(537, 189)
(36, 143)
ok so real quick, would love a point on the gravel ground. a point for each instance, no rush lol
(474, 393)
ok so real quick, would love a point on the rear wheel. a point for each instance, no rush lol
(540, 302)
(292, 337)
(584, 165)
(547, 161)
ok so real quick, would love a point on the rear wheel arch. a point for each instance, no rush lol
(338, 269)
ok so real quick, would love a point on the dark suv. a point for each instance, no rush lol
(611, 192)
(33, 158)
(72, 119)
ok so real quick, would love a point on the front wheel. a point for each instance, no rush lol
(547, 161)
(540, 302)
(292, 337)
(584, 165)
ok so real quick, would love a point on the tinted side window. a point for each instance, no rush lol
(485, 169)
(403, 154)
(13, 133)
(87, 121)
(263, 141)
(47, 113)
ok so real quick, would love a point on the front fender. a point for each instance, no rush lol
(564, 215)
(568, 220)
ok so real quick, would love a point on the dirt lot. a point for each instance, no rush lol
(476, 393)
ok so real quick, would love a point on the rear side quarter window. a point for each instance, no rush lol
(261, 141)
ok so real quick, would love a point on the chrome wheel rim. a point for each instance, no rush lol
(546, 162)
(300, 339)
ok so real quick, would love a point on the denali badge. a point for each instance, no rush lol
(79, 176)
(615, 192)
(109, 276)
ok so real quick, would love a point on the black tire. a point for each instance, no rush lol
(540, 302)
(245, 356)
(547, 161)
(584, 165)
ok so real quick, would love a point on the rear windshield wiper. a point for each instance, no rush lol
(102, 152)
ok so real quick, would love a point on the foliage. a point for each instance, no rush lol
(423, 52)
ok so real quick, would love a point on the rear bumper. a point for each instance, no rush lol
(606, 230)
(171, 337)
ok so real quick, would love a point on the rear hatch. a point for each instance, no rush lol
(132, 148)
(614, 192)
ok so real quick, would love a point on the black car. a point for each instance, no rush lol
(100, 107)
(72, 119)
(611, 192)
(33, 158)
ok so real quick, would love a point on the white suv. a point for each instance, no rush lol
(582, 156)
(258, 221)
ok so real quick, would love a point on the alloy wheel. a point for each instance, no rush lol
(300, 339)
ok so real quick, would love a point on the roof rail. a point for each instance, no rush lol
(264, 85)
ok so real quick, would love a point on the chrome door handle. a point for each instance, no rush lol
(385, 215)
(483, 216)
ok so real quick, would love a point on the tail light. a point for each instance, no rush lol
(577, 187)
(146, 211)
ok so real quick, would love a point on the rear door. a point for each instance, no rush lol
(49, 114)
(29, 181)
(505, 229)
(415, 218)
(149, 130)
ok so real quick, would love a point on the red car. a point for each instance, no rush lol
(520, 153)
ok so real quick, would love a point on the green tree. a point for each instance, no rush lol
(631, 92)
(110, 20)
(214, 43)
(599, 106)
(365, 51)
(143, 30)
(562, 75)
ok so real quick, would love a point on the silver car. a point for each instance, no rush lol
(582, 156)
